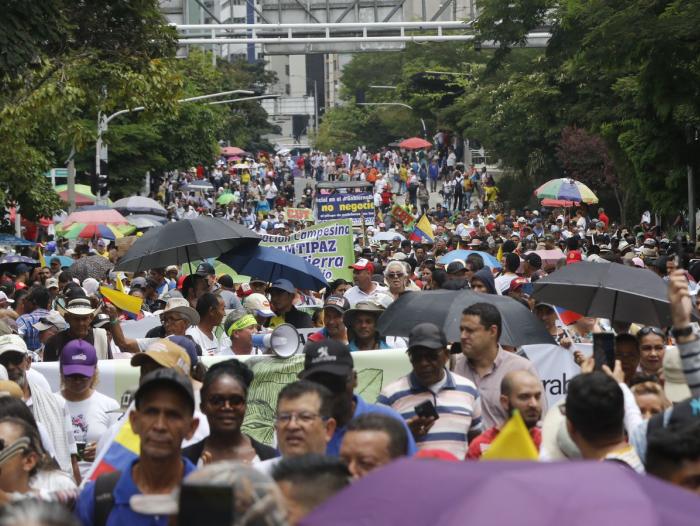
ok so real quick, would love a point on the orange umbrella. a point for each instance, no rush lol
(414, 143)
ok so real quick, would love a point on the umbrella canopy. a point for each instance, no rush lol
(64, 261)
(144, 221)
(95, 217)
(270, 263)
(139, 205)
(184, 241)
(489, 260)
(414, 143)
(558, 203)
(444, 309)
(201, 184)
(81, 230)
(219, 267)
(230, 151)
(387, 236)
(613, 291)
(566, 189)
(225, 198)
(83, 194)
(91, 267)
(14, 241)
(549, 257)
(14, 259)
(506, 493)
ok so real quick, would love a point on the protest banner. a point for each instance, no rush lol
(355, 207)
(327, 246)
(298, 214)
(399, 213)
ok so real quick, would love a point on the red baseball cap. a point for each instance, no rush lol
(574, 257)
(363, 264)
(517, 283)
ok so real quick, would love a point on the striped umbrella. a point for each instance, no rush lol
(84, 231)
(566, 189)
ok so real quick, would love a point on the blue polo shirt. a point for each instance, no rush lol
(362, 407)
(121, 512)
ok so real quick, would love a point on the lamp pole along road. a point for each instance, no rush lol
(425, 131)
(101, 150)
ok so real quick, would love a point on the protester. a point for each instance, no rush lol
(92, 413)
(282, 294)
(361, 323)
(372, 440)
(304, 423)
(79, 314)
(211, 310)
(364, 289)
(520, 391)
(650, 398)
(652, 344)
(673, 454)
(36, 306)
(223, 394)
(47, 327)
(307, 481)
(484, 361)
(162, 418)
(259, 306)
(334, 309)
(330, 364)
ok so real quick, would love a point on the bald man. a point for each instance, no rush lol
(520, 390)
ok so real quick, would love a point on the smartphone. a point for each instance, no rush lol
(604, 350)
(427, 410)
(81, 449)
(215, 502)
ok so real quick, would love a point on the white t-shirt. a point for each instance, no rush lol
(90, 419)
(354, 295)
(503, 282)
(210, 347)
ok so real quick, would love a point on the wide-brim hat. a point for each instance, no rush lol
(367, 307)
(78, 307)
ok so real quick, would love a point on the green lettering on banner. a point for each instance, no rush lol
(326, 245)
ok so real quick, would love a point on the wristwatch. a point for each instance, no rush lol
(682, 332)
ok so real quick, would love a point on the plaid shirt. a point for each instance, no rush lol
(26, 330)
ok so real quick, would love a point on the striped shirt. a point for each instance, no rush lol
(457, 402)
(690, 358)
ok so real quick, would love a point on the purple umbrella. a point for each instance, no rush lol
(434, 492)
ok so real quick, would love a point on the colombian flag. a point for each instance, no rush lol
(119, 453)
(513, 442)
(423, 231)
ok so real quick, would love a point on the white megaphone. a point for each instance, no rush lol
(283, 340)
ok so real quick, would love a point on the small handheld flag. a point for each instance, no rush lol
(513, 442)
(423, 231)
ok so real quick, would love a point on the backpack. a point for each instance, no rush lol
(104, 497)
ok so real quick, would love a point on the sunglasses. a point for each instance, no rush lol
(645, 331)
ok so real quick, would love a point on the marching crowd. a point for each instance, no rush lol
(639, 412)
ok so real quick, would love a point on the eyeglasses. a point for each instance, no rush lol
(303, 418)
(394, 275)
(220, 401)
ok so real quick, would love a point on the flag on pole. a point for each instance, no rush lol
(567, 317)
(513, 442)
(423, 231)
(119, 453)
(42, 260)
(122, 301)
(499, 254)
(119, 284)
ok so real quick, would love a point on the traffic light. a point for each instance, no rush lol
(102, 190)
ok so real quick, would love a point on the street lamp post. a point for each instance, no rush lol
(101, 150)
(425, 131)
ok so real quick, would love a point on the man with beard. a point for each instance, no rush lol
(330, 363)
(522, 391)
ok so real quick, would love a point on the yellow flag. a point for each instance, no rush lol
(119, 284)
(42, 261)
(499, 254)
(513, 442)
(122, 301)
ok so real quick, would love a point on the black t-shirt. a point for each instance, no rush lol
(298, 319)
(53, 347)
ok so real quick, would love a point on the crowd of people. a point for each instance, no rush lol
(640, 412)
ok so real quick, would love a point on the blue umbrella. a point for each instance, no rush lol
(14, 259)
(14, 241)
(489, 260)
(65, 261)
(272, 263)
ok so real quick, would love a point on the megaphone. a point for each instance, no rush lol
(283, 340)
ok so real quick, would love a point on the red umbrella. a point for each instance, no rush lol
(96, 217)
(558, 203)
(414, 143)
(230, 151)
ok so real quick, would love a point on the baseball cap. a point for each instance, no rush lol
(138, 283)
(53, 319)
(285, 285)
(165, 353)
(3, 297)
(257, 280)
(162, 377)
(52, 283)
(339, 303)
(454, 267)
(363, 264)
(517, 284)
(426, 335)
(188, 344)
(205, 269)
(327, 356)
(10, 388)
(12, 343)
(78, 357)
(675, 384)
(573, 257)
(258, 304)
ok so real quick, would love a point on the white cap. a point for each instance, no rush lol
(12, 342)
(257, 303)
(3, 297)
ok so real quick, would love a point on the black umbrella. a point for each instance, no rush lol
(184, 241)
(96, 267)
(608, 290)
(444, 309)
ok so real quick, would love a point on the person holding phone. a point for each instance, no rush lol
(442, 409)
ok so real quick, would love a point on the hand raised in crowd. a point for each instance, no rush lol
(588, 366)
(89, 452)
(420, 425)
(679, 299)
